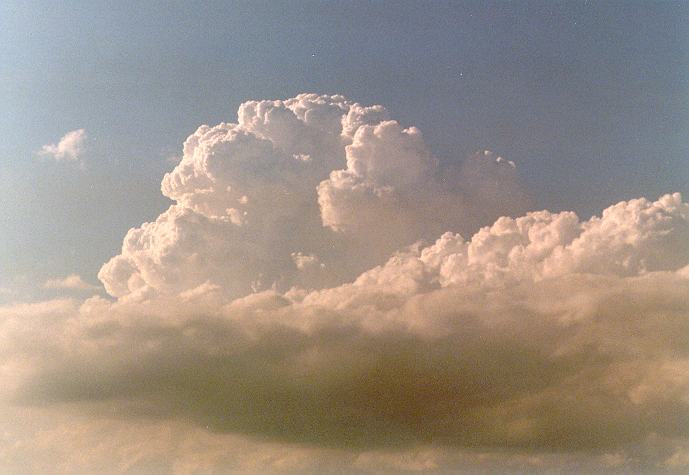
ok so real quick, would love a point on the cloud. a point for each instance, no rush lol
(70, 147)
(541, 333)
(368, 309)
(75, 444)
(72, 281)
(304, 261)
(316, 175)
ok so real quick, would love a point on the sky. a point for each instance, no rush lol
(347, 237)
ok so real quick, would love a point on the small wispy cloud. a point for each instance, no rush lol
(304, 261)
(72, 281)
(70, 147)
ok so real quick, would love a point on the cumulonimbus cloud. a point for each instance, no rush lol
(69, 147)
(535, 334)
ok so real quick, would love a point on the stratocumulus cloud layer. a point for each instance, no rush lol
(283, 316)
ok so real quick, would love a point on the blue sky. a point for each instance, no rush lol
(590, 99)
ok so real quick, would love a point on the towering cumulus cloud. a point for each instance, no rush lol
(313, 175)
(325, 296)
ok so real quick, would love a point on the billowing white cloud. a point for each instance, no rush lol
(70, 146)
(316, 175)
(326, 296)
(72, 281)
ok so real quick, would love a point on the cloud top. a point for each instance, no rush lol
(315, 176)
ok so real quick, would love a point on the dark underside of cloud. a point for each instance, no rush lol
(498, 372)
